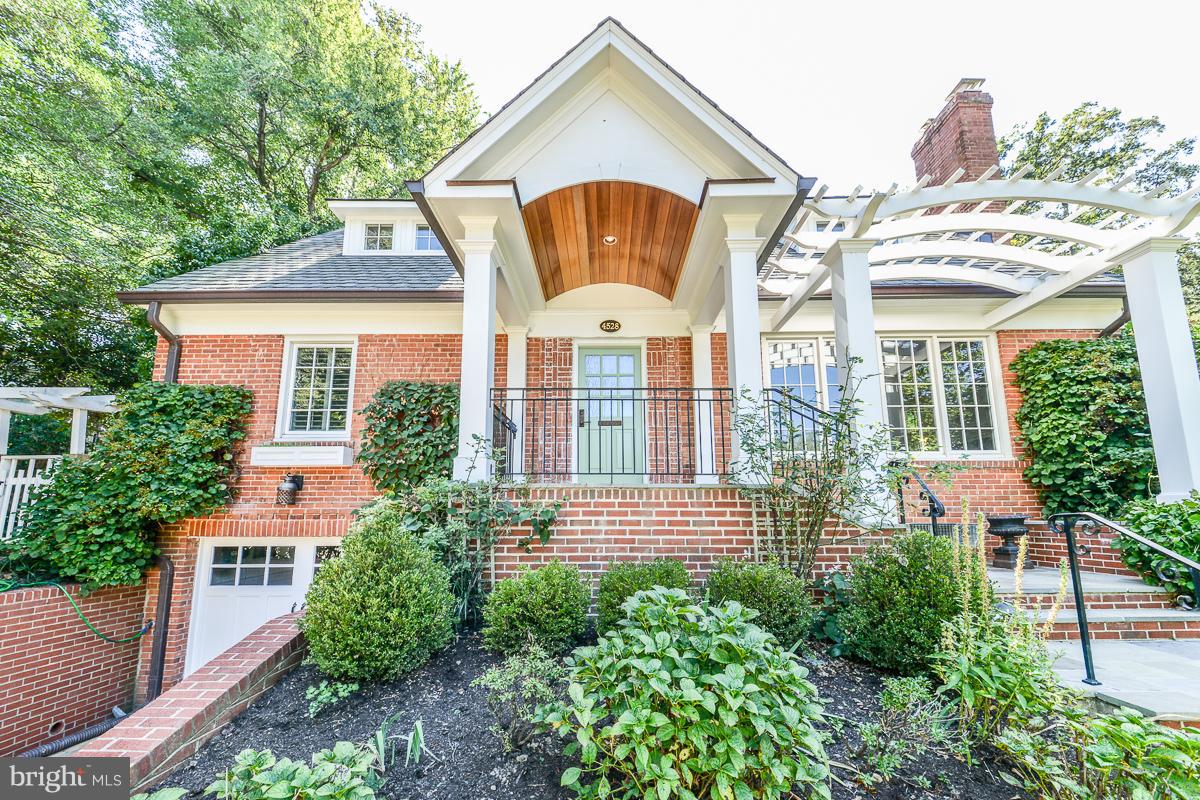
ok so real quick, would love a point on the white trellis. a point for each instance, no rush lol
(19, 475)
(1034, 239)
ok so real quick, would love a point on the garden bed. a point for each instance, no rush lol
(468, 761)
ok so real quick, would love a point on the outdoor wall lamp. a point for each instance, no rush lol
(289, 487)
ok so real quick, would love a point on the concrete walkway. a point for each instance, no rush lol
(1160, 678)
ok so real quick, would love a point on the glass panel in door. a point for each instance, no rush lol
(610, 418)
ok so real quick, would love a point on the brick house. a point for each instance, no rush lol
(602, 267)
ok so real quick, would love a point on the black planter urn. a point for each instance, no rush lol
(1009, 527)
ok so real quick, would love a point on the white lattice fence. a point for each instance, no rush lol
(18, 477)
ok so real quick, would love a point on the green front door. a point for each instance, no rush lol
(610, 426)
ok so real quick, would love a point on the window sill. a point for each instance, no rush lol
(302, 456)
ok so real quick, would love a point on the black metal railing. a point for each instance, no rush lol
(504, 431)
(933, 508)
(1170, 568)
(659, 434)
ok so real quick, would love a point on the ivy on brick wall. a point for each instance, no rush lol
(411, 433)
(1083, 422)
(166, 455)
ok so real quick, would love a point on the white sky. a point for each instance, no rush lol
(840, 89)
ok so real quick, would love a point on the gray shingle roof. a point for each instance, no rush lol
(313, 267)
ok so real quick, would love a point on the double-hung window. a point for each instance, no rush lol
(378, 236)
(317, 396)
(805, 368)
(427, 241)
(938, 394)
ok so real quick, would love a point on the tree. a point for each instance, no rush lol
(1091, 138)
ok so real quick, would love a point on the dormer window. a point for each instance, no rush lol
(427, 241)
(378, 237)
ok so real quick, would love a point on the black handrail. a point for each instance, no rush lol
(934, 507)
(1064, 523)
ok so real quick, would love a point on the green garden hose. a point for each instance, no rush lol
(8, 585)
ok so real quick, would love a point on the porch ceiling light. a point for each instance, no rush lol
(609, 240)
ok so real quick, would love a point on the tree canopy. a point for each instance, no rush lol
(144, 138)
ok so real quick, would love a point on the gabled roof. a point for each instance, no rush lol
(312, 268)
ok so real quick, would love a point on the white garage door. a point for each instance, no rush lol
(241, 584)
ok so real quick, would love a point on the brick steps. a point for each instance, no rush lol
(1128, 623)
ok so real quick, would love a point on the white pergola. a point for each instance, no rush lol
(1035, 239)
(38, 400)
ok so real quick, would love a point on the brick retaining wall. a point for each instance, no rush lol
(169, 730)
(56, 676)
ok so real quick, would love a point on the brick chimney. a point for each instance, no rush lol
(961, 135)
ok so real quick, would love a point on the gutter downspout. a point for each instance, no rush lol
(158, 658)
(417, 190)
(1117, 323)
(174, 345)
(803, 187)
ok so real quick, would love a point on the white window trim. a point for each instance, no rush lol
(996, 396)
(282, 434)
(415, 227)
(395, 236)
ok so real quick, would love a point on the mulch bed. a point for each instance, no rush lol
(469, 762)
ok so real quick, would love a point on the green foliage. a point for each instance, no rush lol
(380, 609)
(326, 694)
(166, 455)
(911, 723)
(1175, 526)
(546, 606)
(46, 434)
(461, 523)
(624, 579)
(1083, 422)
(900, 593)
(347, 772)
(516, 688)
(689, 700)
(170, 793)
(835, 598)
(784, 603)
(410, 434)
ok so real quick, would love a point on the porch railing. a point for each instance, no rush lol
(656, 435)
(19, 476)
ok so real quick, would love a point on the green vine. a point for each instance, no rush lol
(166, 455)
(1083, 422)
(411, 433)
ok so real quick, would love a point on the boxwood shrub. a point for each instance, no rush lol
(898, 595)
(623, 579)
(546, 606)
(783, 601)
(686, 700)
(380, 609)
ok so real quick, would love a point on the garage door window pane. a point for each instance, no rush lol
(251, 576)
(225, 555)
(279, 576)
(222, 576)
(283, 555)
(254, 555)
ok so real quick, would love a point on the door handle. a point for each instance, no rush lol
(582, 418)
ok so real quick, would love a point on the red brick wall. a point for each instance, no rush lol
(962, 135)
(56, 676)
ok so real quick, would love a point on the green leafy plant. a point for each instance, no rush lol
(834, 589)
(899, 595)
(1083, 423)
(410, 433)
(344, 773)
(326, 694)
(912, 722)
(380, 609)
(415, 745)
(516, 688)
(166, 455)
(546, 606)
(783, 601)
(624, 579)
(170, 793)
(1175, 526)
(689, 700)
(462, 522)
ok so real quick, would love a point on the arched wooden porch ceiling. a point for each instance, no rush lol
(567, 228)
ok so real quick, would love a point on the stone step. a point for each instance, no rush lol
(1102, 591)
(1128, 624)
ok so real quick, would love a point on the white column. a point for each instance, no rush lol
(5, 427)
(742, 326)
(854, 325)
(79, 419)
(518, 345)
(706, 405)
(1168, 363)
(478, 348)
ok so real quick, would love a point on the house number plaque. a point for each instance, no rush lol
(610, 326)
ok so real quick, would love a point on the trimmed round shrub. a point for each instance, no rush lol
(546, 606)
(784, 603)
(379, 610)
(624, 579)
(898, 595)
(687, 699)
